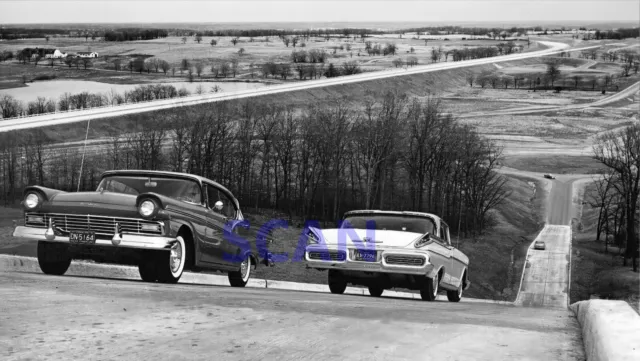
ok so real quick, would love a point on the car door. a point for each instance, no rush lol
(213, 241)
(440, 253)
(451, 270)
(227, 249)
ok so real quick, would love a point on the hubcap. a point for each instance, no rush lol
(435, 285)
(176, 257)
(244, 268)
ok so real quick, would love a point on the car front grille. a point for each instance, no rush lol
(101, 225)
(405, 260)
(328, 256)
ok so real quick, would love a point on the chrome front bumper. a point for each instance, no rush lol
(380, 265)
(127, 240)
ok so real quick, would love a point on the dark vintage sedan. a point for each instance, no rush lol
(164, 222)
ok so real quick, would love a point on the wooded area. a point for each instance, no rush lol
(388, 152)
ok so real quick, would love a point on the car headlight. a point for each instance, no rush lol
(147, 208)
(31, 201)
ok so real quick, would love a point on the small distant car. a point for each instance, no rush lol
(550, 176)
(539, 245)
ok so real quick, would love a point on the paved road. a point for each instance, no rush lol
(546, 278)
(61, 318)
(105, 112)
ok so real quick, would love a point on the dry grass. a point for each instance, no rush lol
(173, 50)
(556, 164)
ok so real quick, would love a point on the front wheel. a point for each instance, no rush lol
(429, 290)
(337, 284)
(241, 277)
(53, 258)
(169, 265)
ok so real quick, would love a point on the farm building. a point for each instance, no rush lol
(57, 54)
(87, 54)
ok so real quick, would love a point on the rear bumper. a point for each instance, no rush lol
(128, 240)
(380, 266)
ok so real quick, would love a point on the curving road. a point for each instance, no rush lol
(623, 94)
(112, 111)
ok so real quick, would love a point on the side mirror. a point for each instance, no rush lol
(218, 206)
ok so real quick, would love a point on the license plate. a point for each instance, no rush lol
(366, 256)
(82, 237)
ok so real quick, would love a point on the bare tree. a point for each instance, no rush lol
(620, 151)
(234, 41)
(470, 79)
(199, 67)
(198, 38)
(86, 62)
(553, 71)
(184, 39)
(165, 66)
(213, 42)
(234, 66)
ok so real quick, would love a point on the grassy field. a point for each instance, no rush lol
(595, 272)
(496, 258)
(257, 50)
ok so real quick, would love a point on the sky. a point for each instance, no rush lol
(143, 11)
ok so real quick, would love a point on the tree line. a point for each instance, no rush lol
(618, 191)
(11, 107)
(552, 78)
(132, 34)
(388, 152)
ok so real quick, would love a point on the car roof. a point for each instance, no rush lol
(392, 213)
(197, 178)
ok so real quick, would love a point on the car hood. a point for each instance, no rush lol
(98, 203)
(382, 238)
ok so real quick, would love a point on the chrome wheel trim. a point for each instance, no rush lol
(245, 269)
(177, 257)
(435, 285)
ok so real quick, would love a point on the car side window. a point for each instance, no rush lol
(214, 196)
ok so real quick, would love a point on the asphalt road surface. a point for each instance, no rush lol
(546, 277)
(108, 111)
(67, 317)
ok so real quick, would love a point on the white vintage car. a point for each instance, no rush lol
(388, 249)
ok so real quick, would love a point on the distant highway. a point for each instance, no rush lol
(120, 110)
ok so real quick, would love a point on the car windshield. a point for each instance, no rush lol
(177, 188)
(391, 223)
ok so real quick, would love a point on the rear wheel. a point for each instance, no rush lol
(241, 277)
(53, 258)
(429, 290)
(337, 284)
(376, 291)
(169, 265)
(455, 296)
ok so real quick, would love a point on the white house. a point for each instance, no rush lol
(86, 54)
(57, 54)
